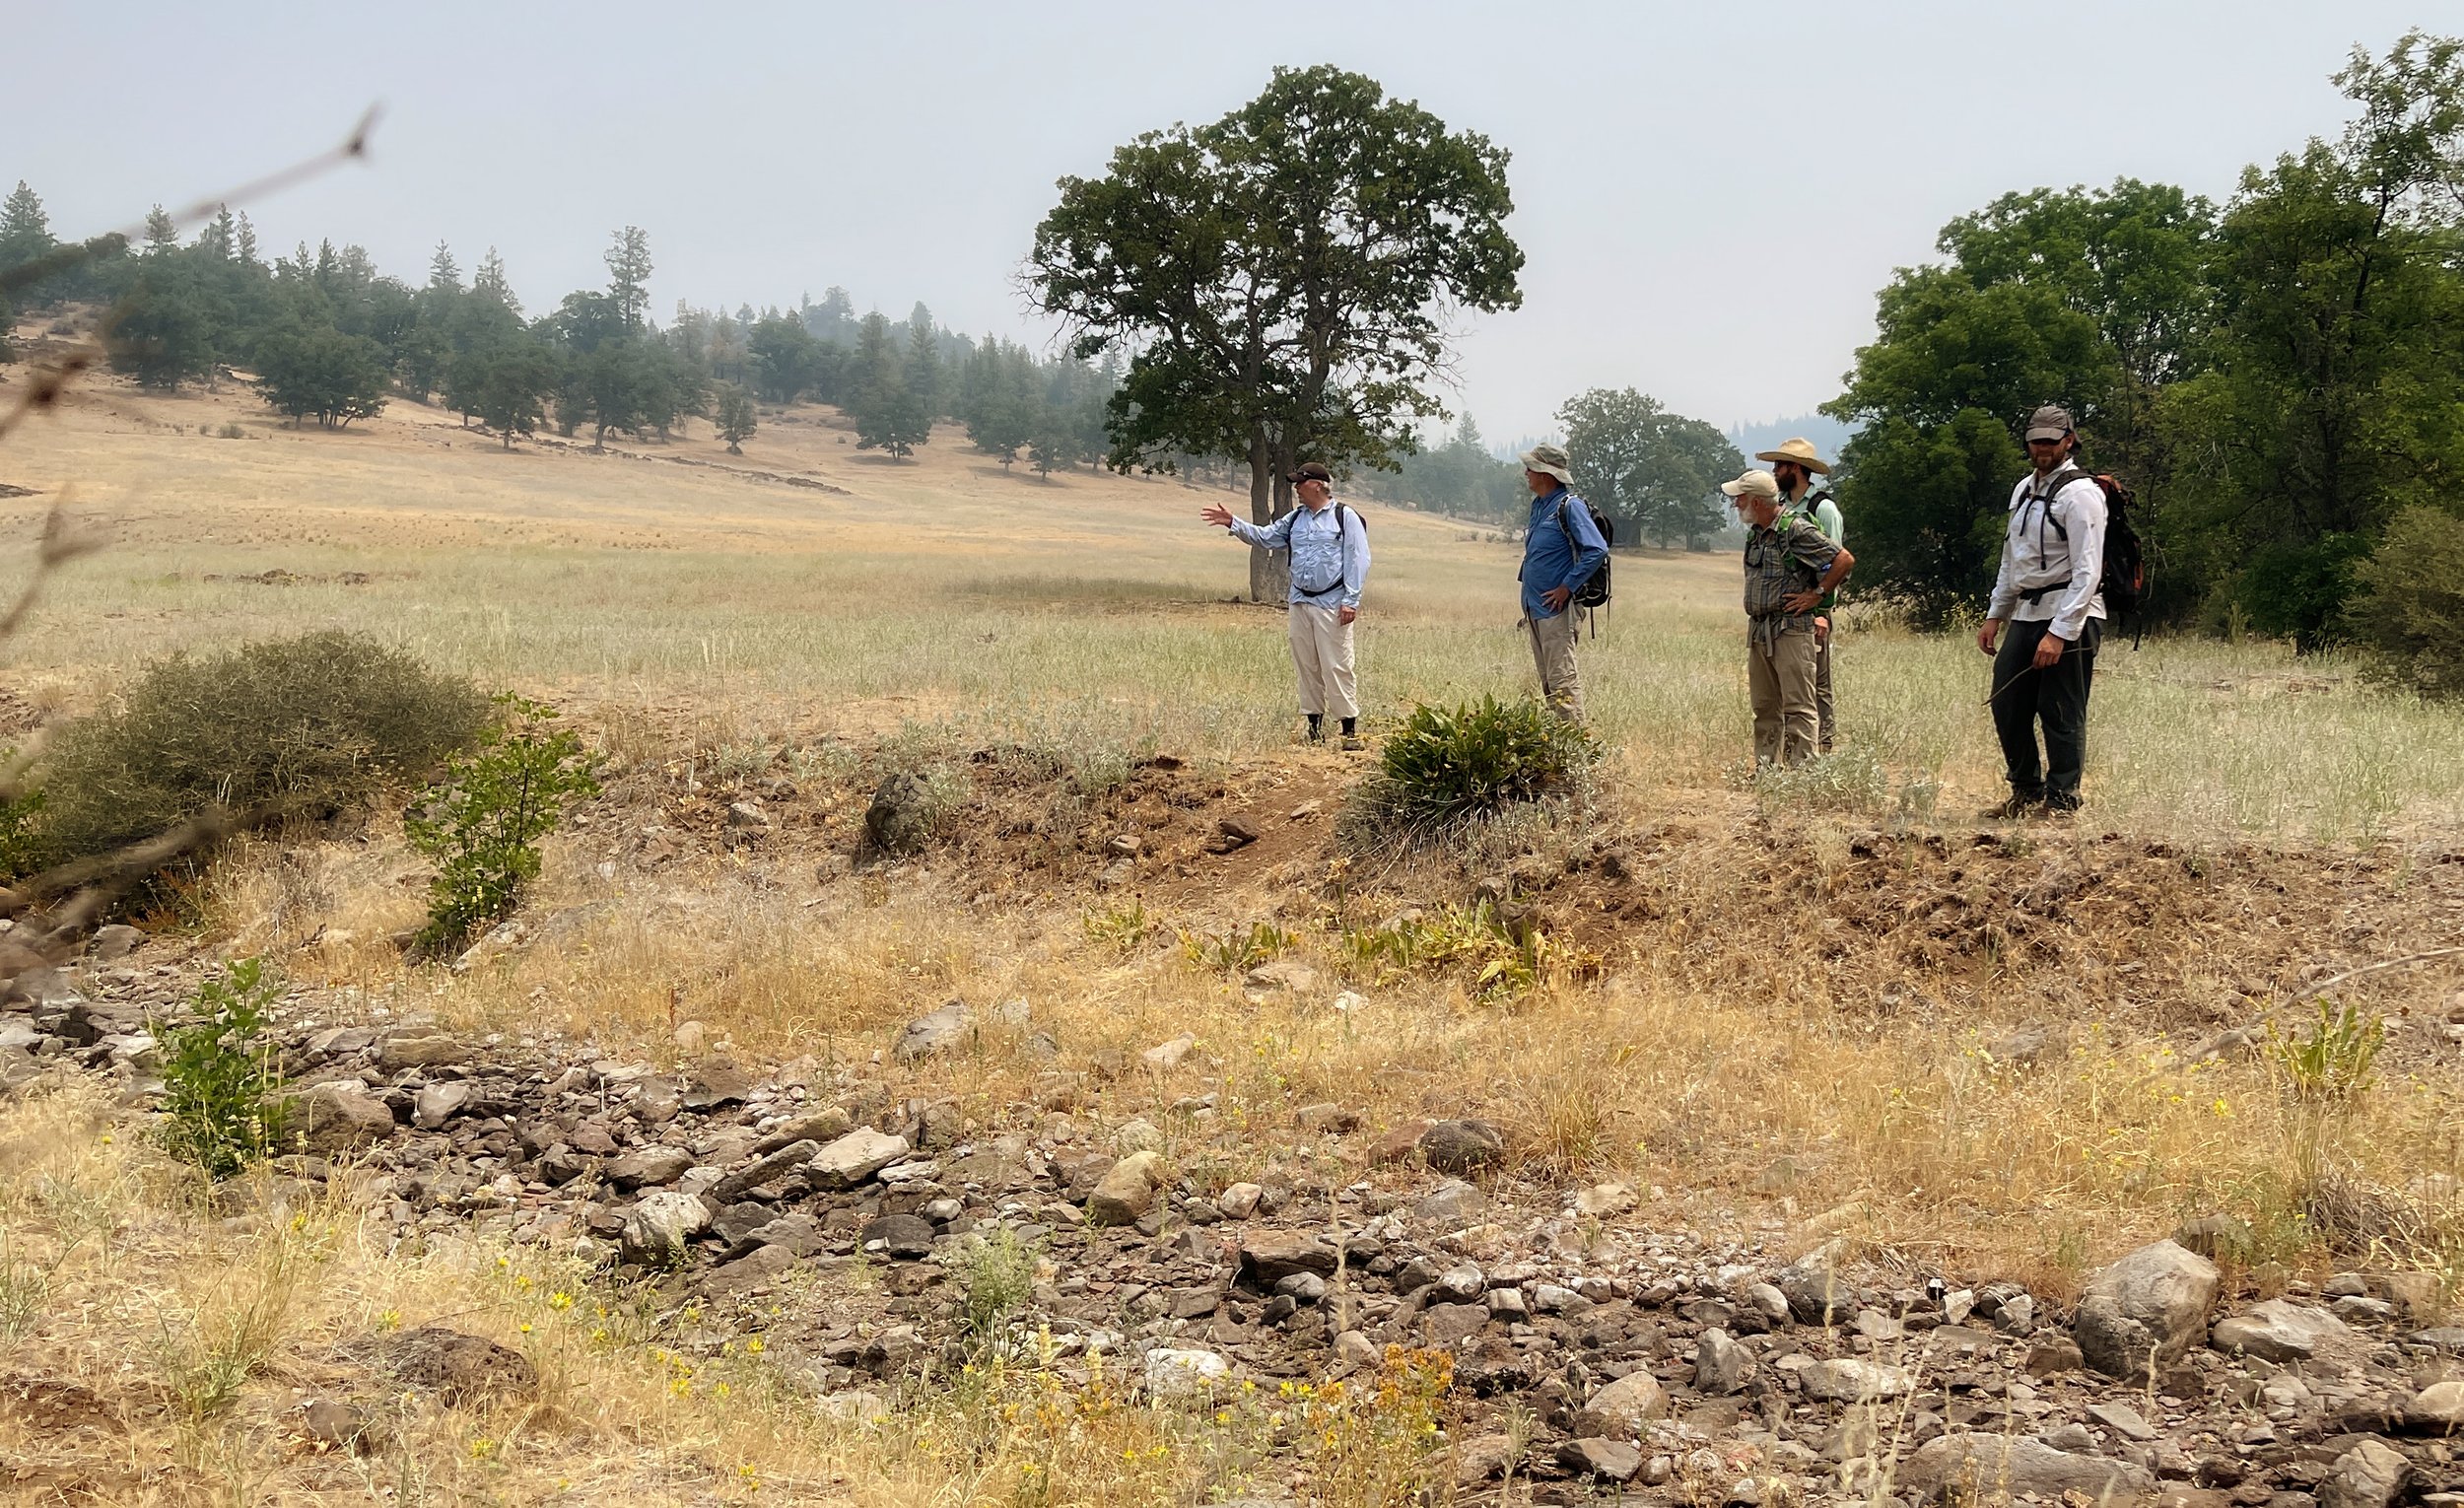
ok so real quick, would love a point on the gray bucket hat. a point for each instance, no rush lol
(1549, 460)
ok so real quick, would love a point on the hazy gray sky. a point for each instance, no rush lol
(1708, 196)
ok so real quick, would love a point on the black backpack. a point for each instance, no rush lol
(1594, 591)
(2123, 580)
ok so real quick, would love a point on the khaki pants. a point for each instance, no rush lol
(1823, 685)
(1552, 650)
(1322, 654)
(1780, 671)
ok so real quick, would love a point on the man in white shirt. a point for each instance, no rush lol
(2048, 594)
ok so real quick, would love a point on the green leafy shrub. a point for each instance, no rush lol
(1446, 767)
(2408, 609)
(220, 1110)
(296, 727)
(482, 823)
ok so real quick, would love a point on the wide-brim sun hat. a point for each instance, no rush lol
(1549, 460)
(1799, 450)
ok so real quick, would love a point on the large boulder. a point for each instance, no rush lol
(1721, 1365)
(1463, 1146)
(659, 1231)
(1815, 1293)
(2278, 1331)
(2372, 1474)
(2436, 1410)
(1628, 1403)
(1126, 1192)
(456, 1367)
(1850, 1380)
(772, 1165)
(2144, 1311)
(339, 1116)
(1995, 1466)
(900, 819)
(1271, 1256)
(856, 1157)
(935, 1031)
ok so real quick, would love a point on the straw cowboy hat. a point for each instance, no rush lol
(1799, 450)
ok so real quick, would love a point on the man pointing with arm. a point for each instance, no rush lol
(1328, 549)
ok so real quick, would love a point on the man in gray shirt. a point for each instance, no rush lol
(1328, 549)
(2049, 592)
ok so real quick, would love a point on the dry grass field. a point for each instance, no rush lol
(943, 591)
(1835, 1009)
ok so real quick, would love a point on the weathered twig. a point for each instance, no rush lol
(62, 259)
(2312, 992)
(118, 873)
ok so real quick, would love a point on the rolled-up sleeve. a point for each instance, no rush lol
(2084, 520)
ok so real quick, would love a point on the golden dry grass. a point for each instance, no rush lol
(699, 622)
(944, 592)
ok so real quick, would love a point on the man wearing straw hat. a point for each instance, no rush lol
(1795, 465)
(1789, 567)
(1562, 549)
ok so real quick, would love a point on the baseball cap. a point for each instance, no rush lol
(2050, 422)
(1754, 484)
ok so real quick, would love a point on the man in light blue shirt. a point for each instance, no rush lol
(1329, 550)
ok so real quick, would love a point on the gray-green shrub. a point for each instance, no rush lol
(310, 726)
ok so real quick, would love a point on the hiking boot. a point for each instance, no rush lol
(2017, 807)
(1353, 744)
(2061, 809)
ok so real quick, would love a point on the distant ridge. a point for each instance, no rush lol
(1828, 434)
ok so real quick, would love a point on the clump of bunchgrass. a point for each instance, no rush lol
(1447, 768)
(997, 1275)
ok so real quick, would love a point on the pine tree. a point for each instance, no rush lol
(489, 283)
(890, 417)
(628, 276)
(161, 233)
(924, 362)
(736, 418)
(25, 233)
(444, 275)
(221, 236)
(243, 245)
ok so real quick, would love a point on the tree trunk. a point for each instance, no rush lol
(1262, 574)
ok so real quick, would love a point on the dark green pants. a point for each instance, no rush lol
(2057, 697)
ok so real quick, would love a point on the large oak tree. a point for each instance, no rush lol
(1280, 279)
